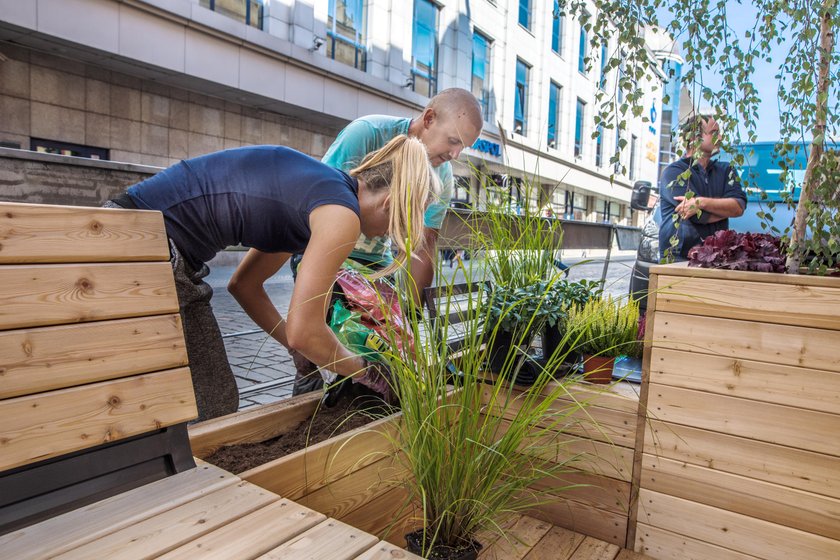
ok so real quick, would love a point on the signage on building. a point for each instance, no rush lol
(487, 147)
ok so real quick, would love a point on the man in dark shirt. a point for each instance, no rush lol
(698, 195)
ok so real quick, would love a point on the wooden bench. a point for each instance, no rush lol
(95, 394)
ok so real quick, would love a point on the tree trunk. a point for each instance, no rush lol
(800, 222)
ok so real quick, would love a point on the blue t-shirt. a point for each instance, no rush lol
(257, 196)
(720, 180)
(368, 134)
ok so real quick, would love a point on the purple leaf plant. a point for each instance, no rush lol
(730, 250)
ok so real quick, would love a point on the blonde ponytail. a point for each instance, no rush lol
(403, 165)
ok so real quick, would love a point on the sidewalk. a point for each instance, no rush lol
(263, 369)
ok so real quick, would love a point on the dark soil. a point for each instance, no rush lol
(348, 414)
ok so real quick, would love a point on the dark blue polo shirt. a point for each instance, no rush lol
(719, 180)
(257, 196)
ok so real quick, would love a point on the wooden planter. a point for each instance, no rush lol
(741, 454)
(353, 477)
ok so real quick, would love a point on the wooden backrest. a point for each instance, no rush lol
(452, 307)
(91, 346)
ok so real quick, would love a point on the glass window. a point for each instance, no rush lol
(525, 13)
(602, 81)
(248, 12)
(67, 149)
(520, 109)
(346, 32)
(634, 140)
(584, 42)
(575, 206)
(618, 151)
(557, 29)
(424, 48)
(580, 111)
(599, 147)
(553, 115)
(480, 72)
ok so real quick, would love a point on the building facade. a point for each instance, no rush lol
(155, 81)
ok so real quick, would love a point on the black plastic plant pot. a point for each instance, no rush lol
(468, 551)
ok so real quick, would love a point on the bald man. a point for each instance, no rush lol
(450, 122)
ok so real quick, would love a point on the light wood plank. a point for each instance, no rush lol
(517, 541)
(388, 516)
(593, 549)
(783, 425)
(251, 535)
(593, 422)
(316, 466)
(75, 528)
(741, 533)
(329, 540)
(54, 294)
(45, 233)
(43, 359)
(387, 551)
(665, 545)
(557, 544)
(683, 270)
(760, 342)
(582, 518)
(597, 491)
(753, 459)
(625, 554)
(37, 427)
(766, 302)
(786, 506)
(357, 488)
(761, 381)
(252, 425)
(171, 529)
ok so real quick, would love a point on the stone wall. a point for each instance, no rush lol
(139, 121)
(53, 179)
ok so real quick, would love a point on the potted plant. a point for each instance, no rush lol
(473, 445)
(564, 296)
(605, 329)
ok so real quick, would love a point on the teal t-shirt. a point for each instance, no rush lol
(368, 134)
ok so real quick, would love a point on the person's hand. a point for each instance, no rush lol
(688, 207)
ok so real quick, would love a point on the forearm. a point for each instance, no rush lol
(721, 208)
(261, 310)
(321, 347)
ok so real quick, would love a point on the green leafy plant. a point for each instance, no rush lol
(605, 327)
(713, 45)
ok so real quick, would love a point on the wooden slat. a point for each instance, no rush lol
(598, 491)
(737, 532)
(592, 422)
(769, 302)
(388, 516)
(760, 342)
(54, 294)
(36, 360)
(557, 544)
(75, 528)
(682, 270)
(316, 466)
(44, 233)
(252, 425)
(739, 494)
(582, 518)
(157, 535)
(250, 535)
(387, 551)
(357, 488)
(329, 540)
(665, 545)
(753, 459)
(625, 554)
(37, 427)
(518, 540)
(783, 425)
(594, 549)
(762, 381)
